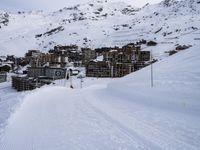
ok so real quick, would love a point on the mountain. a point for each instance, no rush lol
(100, 23)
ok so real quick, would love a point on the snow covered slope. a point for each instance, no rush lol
(127, 114)
(99, 23)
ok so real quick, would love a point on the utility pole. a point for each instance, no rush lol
(151, 55)
(54, 74)
(81, 82)
(70, 79)
(112, 71)
(16, 64)
(66, 78)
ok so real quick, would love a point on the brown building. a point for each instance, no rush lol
(60, 56)
(32, 57)
(87, 55)
(98, 69)
(106, 70)
(118, 62)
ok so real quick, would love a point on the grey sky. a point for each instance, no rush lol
(51, 5)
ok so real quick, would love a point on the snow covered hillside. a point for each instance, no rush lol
(99, 23)
(125, 114)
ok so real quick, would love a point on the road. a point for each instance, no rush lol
(58, 119)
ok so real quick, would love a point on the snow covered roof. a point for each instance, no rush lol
(3, 58)
(2, 65)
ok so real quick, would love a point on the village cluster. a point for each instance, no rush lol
(36, 68)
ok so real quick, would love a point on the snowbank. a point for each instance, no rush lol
(176, 83)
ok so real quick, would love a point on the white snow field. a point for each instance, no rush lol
(123, 114)
(114, 24)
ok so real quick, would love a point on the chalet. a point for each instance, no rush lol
(5, 67)
(5, 64)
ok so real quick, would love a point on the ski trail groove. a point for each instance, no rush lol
(125, 130)
(155, 133)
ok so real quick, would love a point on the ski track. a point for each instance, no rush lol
(151, 131)
(80, 112)
(91, 122)
(141, 141)
(9, 98)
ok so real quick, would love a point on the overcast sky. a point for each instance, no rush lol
(52, 5)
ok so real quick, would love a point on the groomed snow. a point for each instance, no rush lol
(125, 114)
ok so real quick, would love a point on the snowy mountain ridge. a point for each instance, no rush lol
(97, 24)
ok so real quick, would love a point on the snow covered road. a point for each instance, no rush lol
(81, 120)
(67, 122)
(57, 118)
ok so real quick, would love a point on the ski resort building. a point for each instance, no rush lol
(118, 62)
(28, 83)
(87, 55)
(104, 69)
(52, 73)
(37, 77)
(5, 67)
(60, 56)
